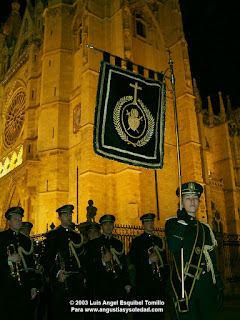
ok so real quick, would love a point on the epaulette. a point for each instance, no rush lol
(171, 218)
(206, 224)
(214, 241)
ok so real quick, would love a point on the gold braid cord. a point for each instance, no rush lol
(208, 248)
(158, 250)
(22, 251)
(116, 253)
(72, 247)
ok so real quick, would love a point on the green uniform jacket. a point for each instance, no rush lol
(180, 235)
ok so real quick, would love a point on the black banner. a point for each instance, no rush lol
(129, 117)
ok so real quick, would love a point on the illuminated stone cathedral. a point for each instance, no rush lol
(48, 86)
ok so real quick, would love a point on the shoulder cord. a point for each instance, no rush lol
(116, 253)
(72, 247)
(22, 251)
(158, 250)
(206, 250)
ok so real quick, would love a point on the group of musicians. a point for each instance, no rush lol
(42, 284)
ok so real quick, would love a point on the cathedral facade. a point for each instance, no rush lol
(48, 86)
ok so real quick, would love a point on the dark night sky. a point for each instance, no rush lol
(212, 31)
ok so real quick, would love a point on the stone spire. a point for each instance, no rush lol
(210, 111)
(229, 106)
(12, 26)
(198, 101)
(222, 108)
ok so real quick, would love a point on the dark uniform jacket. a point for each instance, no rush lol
(105, 284)
(64, 251)
(179, 235)
(149, 282)
(7, 238)
(58, 255)
(184, 235)
(16, 291)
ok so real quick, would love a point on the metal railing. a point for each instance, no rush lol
(227, 252)
(126, 233)
(228, 256)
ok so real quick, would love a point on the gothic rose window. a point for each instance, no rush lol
(15, 118)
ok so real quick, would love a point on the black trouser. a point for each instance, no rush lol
(153, 290)
(61, 301)
(203, 301)
(109, 290)
(15, 301)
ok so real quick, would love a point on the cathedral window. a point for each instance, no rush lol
(80, 39)
(11, 161)
(141, 27)
(15, 118)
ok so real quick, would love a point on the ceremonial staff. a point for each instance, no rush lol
(99, 149)
(178, 157)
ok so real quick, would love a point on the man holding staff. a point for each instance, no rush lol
(197, 294)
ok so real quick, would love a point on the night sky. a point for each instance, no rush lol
(212, 31)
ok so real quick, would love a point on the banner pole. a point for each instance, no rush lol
(156, 189)
(176, 128)
(178, 158)
(114, 56)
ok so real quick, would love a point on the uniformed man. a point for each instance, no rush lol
(17, 276)
(63, 262)
(202, 285)
(26, 228)
(93, 230)
(148, 255)
(107, 272)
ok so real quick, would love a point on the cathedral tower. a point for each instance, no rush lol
(50, 82)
